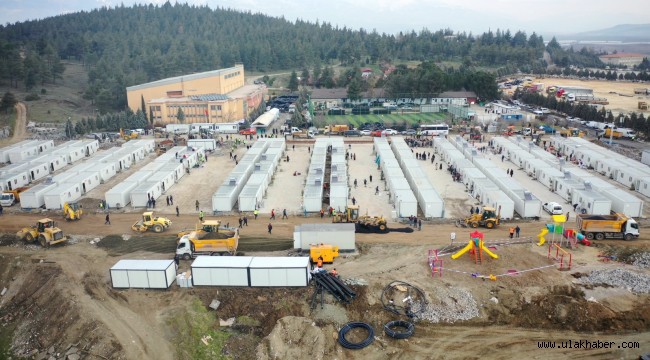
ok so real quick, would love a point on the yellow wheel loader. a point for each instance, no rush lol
(149, 222)
(45, 232)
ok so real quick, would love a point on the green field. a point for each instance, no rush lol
(406, 120)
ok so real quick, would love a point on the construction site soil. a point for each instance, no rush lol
(59, 302)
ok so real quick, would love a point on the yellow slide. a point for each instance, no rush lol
(462, 251)
(541, 235)
(487, 251)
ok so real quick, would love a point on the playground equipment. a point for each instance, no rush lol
(476, 248)
(570, 236)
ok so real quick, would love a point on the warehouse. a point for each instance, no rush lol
(143, 274)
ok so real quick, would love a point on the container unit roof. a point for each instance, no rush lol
(597, 183)
(280, 262)
(142, 265)
(472, 173)
(240, 262)
(139, 176)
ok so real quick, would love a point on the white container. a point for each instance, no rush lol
(143, 274)
(121, 161)
(165, 178)
(643, 186)
(629, 176)
(341, 235)
(4, 152)
(34, 197)
(23, 153)
(90, 147)
(106, 171)
(591, 202)
(72, 153)
(624, 202)
(221, 271)
(120, 195)
(54, 162)
(65, 192)
(405, 203)
(279, 271)
(139, 177)
(13, 181)
(37, 170)
(139, 194)
(206, 144)
(547, 176)
(498, 198)
(178, 128)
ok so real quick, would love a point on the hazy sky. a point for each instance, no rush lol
(392, 16)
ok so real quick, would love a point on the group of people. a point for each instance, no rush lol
(417, 142)
(414, 221)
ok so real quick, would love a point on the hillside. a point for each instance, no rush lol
(623, 32)
(124, 46)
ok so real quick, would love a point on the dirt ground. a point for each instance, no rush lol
(60, 300)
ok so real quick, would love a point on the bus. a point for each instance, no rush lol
(434, 129)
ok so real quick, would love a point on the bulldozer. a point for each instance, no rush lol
(129, 136)
(363, 223)
(488, 218)
(72, 211)
(45, 231)
(150, 222)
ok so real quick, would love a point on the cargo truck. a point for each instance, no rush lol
(11, 197)
(210, 240)
(615, 226)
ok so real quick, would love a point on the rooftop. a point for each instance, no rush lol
(622, 55)
(178, 79)
(457, 94)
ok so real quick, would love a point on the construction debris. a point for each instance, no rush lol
(633, 281)
(451, 305)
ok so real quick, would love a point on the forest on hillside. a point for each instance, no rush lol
(123, 46)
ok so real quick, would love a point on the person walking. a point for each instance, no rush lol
(196, 204)
(471, 210)
(355, 183)
(270, 227)
(370, 177)
(517, 230)
(255, 213)
(272, 214)
(177, 212)
(284, 214)
(512, 232)
(376, 190)
(365, 183)
(354, 201)
(241, 222)
(419, 224)
(153, 203)
(477, 210)
(245, 220)
(108, 220)
(201, 215)
(322, 213)
(567, 216)
(167, 198)
(171, 199)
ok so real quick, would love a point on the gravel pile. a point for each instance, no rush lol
(633, 281)
(641, 260)
(355, 281)
(451, 305)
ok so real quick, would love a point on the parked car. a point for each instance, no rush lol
(376, 133)
(553, 208)
(390, 132)
(365, 132)
(409, 132)
(250, 131)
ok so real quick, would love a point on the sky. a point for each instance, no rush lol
(547, 17)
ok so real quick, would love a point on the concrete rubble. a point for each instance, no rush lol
(641, 259)
(633, 281)
(354, 281)
(451, 305)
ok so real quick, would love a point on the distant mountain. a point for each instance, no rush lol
(623, 32)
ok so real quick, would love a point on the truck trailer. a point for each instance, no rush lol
(615, 226)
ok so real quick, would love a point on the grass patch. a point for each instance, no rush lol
(193, 325)
(387, 119)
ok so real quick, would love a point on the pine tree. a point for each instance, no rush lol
(143, 106)
(293, 82)
(354, 90)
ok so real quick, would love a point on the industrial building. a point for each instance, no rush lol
(217, 96)
(627, 59)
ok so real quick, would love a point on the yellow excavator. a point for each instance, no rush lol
(150, 222)
(129, 136)
(363, 223)
(72, 211)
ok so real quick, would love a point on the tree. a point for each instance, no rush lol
(354, 90)
(8, 102)
(69, 129)
(180, 115)
(293, 82)
(143, 105)
(304, 77)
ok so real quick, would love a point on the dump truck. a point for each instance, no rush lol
(208, 239)
(489, 218)
(150, 222)
(615, 226)
(11, 197)
(302, 135)
(363, 223)
(327, 252)
(612, 133)
(45, 231)
(336, 129)
(571, 132)
(72, 211)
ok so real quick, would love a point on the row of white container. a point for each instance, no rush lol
(526, 204)
(628, 172)
(226, 196)
(24, 149)
(400, 193)
(253, 193)
(430, 202)
(590, 194)
(338, 183)
(476, 182)
(313, 192)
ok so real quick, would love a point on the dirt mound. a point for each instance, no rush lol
(566, 308)
(43, 315)
(294, 338)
